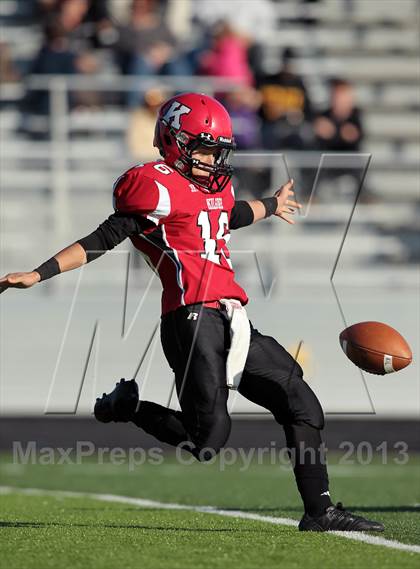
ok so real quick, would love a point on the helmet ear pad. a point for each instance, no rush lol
(157, 139)
(161, 135)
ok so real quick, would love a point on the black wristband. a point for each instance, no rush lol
(48, 269)
(270, 205)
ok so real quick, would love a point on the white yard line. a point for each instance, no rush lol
(143, 503)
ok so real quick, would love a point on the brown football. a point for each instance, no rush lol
(375, 347)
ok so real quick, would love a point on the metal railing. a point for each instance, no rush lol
(59, 87)
(58, 153)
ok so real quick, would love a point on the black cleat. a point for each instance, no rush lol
(336, 518)
(120, 404)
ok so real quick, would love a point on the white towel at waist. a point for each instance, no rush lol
(240, 336)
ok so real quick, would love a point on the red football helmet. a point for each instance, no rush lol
(191, 121)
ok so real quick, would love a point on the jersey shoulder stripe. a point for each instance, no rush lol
(163, 208)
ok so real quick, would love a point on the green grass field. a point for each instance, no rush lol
(67, 531)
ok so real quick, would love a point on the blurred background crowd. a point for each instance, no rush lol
(271, 108)
(82, 81)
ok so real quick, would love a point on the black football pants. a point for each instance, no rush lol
(195, 341)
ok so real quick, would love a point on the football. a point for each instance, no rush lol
(375, 347)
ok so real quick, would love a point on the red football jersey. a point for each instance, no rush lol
(185, 235)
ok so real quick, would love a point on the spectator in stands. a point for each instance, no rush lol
(255, 19)
(43, 10)
(253, 22)
(146, 46)
(69, 15)
(54, 57)
(285, 107)
(81, 20)
(142, 126)
(8, 72)
(87, 24)
(57, 57)
(104, 33)
(227, 56)
(242, 105)
(339, 128)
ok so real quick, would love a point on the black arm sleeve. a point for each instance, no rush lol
(241, 215)
(109, 234)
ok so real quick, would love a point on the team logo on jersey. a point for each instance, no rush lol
(173, 115)
(214, 203)
(193, 188)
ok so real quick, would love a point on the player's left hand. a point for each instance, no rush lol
(286, 205)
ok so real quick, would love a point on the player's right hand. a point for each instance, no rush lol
(19, 280)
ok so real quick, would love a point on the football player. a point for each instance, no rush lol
(178, 212)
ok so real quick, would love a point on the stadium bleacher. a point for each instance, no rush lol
(86, 149)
